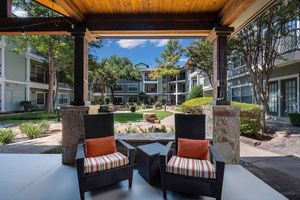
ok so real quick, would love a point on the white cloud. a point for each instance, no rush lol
(129, 44)
(20, 13)
(159, 42)
(183, 59)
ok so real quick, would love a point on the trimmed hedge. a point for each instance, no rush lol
(250, 113)
(196, 92)
(295, 118)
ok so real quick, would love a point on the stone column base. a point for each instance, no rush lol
(223, 127)
(72, 131)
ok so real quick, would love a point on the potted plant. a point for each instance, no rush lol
(26, 105)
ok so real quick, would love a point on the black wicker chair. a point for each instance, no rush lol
(191, 127)
(97, 126)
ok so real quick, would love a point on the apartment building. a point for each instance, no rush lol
(25, 78)
(284, 82)
(155, 90)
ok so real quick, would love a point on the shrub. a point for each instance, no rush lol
(31, 130)
(194, 106)
(6, 136)
(196, 92)
(44, 126)
(295, 118)
(163, 101)
(107, 100)
(250, 113)
(130, 129)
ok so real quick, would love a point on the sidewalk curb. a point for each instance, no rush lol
(250, 141)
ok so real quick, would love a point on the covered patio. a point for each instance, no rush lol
(45, 177)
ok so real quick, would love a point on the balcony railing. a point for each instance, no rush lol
(39, 77)
(290, 43)
(237, 71)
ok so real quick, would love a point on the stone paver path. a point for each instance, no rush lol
(287, 140)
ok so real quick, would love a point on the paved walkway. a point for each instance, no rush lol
(286, 140)
(279, 171)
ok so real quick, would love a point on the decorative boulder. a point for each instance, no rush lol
(150, 117)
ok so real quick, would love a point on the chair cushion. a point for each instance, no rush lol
(100, 146)
(100, 163)
(196, 149)
(191, 167)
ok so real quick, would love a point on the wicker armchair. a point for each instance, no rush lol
(97, 126)
(191, 127)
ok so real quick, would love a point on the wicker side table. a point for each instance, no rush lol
(147, 158)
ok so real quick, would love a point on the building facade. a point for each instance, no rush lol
(284, 81)
(155, 90)
(25, 78)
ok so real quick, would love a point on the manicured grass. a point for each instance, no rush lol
(160, 113)
(25, 117)
(138, 116)
(128, 117)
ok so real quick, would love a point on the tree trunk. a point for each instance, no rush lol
(263, 120)
(112, 96)
(51, 85)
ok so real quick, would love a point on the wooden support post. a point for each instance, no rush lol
(5, 8)
(80, 68)
(218, 37)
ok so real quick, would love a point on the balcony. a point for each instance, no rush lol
(39, 77)
(239, 71)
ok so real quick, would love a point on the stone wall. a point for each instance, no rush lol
(223, 127)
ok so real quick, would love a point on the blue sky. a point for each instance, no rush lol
(137, 50)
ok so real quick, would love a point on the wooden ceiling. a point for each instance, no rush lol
(116, 12)
(137, 18)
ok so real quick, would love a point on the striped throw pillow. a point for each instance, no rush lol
(191, 167)
(100, 163)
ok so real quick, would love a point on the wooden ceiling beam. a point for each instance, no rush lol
(232, 10)
(35, 25)
(151, 22)
(71, 9)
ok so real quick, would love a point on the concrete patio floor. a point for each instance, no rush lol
(42, 176)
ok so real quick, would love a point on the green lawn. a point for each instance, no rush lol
(38, 116)
(25, 117)
(138, 116)
(128, 117)
(160, 113)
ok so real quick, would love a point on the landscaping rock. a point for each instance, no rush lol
(150, 117)
(157, 121)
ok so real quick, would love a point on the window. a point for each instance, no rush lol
(132, 99)
(62, 98)
(118, 100)
(119, 88)
(40, 98)
(132, 88)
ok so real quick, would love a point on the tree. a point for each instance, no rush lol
(260, 45)
(196, 92)
(168, 64)
(53, 47)
(112, 69)
(201, 57)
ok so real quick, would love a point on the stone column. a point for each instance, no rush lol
(223, 127)
(72, 131)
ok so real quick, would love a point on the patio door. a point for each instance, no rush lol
(288, 96)
(273, 98)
